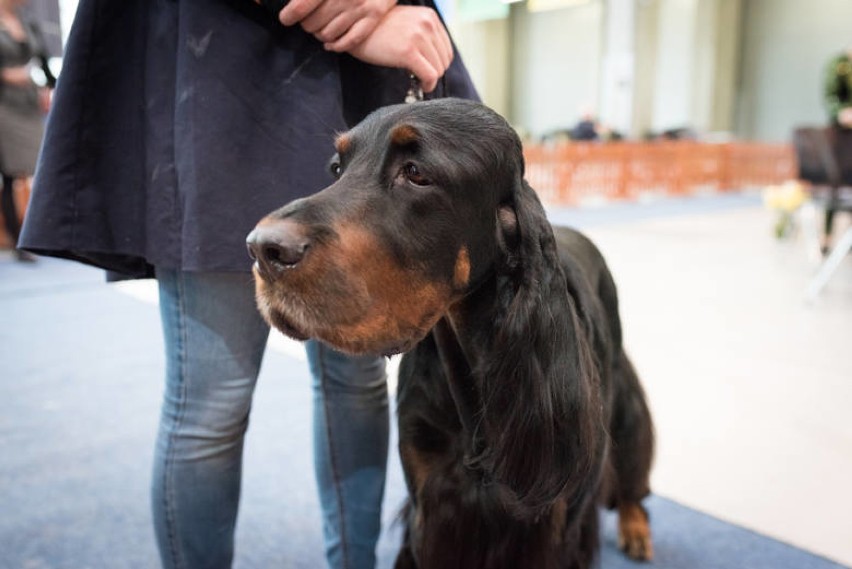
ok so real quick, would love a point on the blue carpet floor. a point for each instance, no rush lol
(627, 212)
(80, 385)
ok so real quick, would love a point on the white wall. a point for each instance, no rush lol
(617, 88)
(485, 48)
(674, 84)
(67, 9)
(787, 44)
(557, 63)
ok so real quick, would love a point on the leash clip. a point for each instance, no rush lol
(415, 89)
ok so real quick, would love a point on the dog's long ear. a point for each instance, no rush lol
(541, 423)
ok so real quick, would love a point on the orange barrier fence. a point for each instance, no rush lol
(568, 173)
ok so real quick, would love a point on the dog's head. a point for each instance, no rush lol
(415, 219)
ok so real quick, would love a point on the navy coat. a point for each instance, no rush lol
(177, 124)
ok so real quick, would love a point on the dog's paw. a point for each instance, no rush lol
(634, 533)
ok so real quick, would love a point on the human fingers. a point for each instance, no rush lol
(434, 45)
(425, 71)
(408, 37)
(333, 18)
(353, 36)
(297, 10)
(445, 46)
(328, 25)
(430, 51)
(429, 27)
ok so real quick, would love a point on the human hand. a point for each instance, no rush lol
(412, 38)
(17, 76)
(845, 117)
(45, 98)
(339, 24)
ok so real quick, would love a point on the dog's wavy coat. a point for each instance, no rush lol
(519, 411)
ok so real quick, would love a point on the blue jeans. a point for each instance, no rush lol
(215, 340)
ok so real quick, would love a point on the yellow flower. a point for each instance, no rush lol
(787, 197)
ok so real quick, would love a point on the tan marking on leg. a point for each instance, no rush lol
(634, 532)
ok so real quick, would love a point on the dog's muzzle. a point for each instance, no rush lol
(277, 247)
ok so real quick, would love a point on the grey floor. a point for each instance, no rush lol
(750, 386)
(750, 390)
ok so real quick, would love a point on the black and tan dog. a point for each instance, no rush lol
(519, 411)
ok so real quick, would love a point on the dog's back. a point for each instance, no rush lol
(625, 480)
(590, 282)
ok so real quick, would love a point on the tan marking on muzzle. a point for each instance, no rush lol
(394, 304)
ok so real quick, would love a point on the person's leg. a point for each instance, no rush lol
(10, 217)
(214, 339)
(351, 428)
(8, 209)
(828, 227)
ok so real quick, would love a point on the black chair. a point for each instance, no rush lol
(824, 158)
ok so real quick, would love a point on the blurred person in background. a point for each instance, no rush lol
(587, 128)
(23, 105)
(837, 91)
(176, 127)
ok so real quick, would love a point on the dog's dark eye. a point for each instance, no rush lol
(335, 168)
(413, 174)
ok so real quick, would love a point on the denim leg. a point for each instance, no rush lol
(351, 427)
(214, 340)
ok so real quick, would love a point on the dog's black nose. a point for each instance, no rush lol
(277, 246)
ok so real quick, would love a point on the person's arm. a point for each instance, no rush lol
(339, 24)
(16, 76)
(412, 38)
(377, 32)
(405, 37)
(41, 55)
